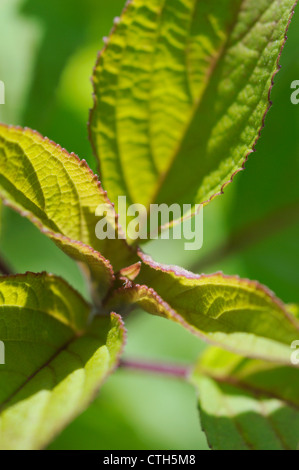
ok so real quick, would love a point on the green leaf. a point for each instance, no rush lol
(247, 404)
(236, 314)
(60, 195)
(181, 92)
(55, 359)
(265, 221)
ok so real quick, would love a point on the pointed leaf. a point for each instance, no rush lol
(181, 93)
(264, 221)
(55, 360)
(261, 377)
(247, 404)
(236, 314)
(59, 194)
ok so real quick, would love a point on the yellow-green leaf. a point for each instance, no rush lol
(237, 314)
(60, 194)
(181, 93)
(56, 357)
(247, 404)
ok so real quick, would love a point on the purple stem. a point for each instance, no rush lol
(164, 369)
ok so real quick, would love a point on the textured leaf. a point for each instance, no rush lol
(60, 194)
(55, 359)
(247, 404)
(181, 91)
(236, 314)
(265, 221)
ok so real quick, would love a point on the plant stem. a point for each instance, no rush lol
(172, 370)
(4, 268)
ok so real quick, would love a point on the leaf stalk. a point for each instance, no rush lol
(172, 370)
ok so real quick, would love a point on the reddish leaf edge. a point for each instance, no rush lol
(93, 179)
(94, 98)
(129, 289)
(184, 273)
(59, 237)
(77, 334)
(111, 371)
(116, 299)
(263, 123)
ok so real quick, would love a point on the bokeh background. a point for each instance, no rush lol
(47, 51)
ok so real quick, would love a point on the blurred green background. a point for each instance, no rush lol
(47, 52)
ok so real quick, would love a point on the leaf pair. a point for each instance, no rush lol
(181, 91)
(57, 353)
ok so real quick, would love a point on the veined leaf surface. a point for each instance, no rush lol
(262, 208)
(181, 92)
(60, 194)
(237, 314)
(55, 360)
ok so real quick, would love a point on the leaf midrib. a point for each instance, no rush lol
(64, 347)
(214, 63)
(245, 386)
